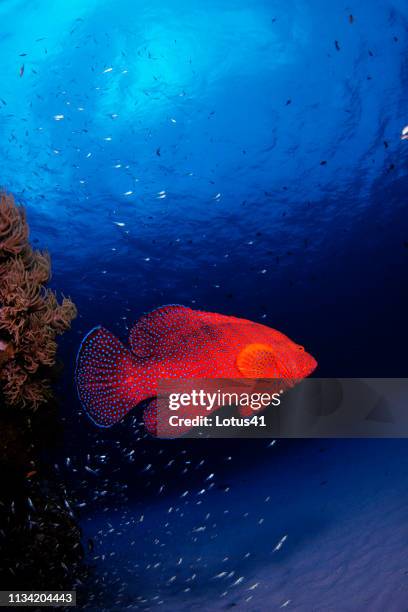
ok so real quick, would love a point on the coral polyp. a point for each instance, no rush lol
(30, 314)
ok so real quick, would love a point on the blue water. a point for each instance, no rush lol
(232, 157)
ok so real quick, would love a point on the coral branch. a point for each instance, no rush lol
(30, 314)
(13, 227)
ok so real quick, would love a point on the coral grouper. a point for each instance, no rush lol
(175, 342)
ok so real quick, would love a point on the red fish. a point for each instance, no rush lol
(176, 342)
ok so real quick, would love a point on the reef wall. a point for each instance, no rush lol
(40, 542)
(30, 315)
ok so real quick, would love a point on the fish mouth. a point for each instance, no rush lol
(312, 365)
(303, 366)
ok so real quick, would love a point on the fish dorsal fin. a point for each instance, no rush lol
(169, 331)
(260, 361)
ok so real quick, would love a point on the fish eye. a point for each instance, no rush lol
(301, 348)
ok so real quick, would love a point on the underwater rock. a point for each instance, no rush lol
(40, 540)
(30, 315)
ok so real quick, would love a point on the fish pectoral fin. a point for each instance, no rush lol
(259, 361)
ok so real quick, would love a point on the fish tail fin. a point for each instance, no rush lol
(106, 378)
